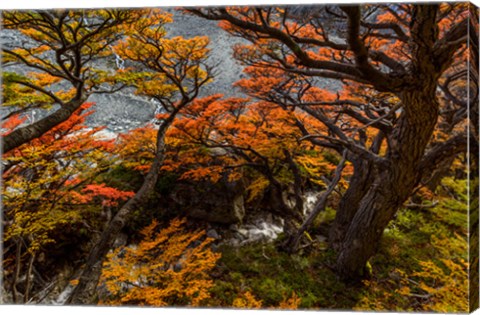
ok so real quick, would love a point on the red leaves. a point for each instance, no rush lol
(111, 196)
(11, 123)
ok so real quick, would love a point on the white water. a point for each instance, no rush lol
(105, 134)
(260, 231)
(267, 229)
(62, 297)
(310, 199)
(119, 62)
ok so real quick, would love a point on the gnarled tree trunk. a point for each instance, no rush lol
(392, 186)
(360, 182)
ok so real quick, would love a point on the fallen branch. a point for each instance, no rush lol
(293, 243)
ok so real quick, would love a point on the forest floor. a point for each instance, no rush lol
(420, 266)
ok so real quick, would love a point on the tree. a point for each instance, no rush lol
(400, 51)
(60, 48)
(173, 72)
(49, 190)
(255, 142)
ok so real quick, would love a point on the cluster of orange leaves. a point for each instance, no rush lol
(110, 195)
(170, 267)
(248, 300)
(137, 148)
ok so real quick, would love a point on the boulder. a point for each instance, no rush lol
(220, 202)
(212, 233)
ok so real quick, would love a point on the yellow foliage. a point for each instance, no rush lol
(247, 300)
(291, 303)
(39, 190)
(164, 269)
(377, 299)
(256, 188)
(438, 286)
(446, 286)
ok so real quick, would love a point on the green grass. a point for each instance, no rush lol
(414, 237)
(271, 276)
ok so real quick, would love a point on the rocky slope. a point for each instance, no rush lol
(123, 111)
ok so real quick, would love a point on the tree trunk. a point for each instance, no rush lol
(85, 291)
(391, 187)
(292, 244)
(363, 235)
(25, 134)
(360, 182)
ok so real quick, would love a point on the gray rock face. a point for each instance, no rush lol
(120, 112)
(123, 110)
(228, 70)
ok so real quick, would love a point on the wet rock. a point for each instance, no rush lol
(263, 227)
(321, 238)
(177, 267)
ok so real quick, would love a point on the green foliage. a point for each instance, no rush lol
(121, 177)
(271, 275)
(422, 261)
(166, 182)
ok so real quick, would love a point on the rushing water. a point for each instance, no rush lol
(265, 227)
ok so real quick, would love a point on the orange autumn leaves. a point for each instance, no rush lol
(172, 65)
(166, 268)
(217, 137)
(170, 266)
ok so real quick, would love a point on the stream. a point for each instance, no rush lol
(265, 227)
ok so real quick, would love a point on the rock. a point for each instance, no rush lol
(234, 242)
(263, 227)
(213, 234)
(130, 111)
(177, 267)
(221, 202)
(215, 247)
(321, 238)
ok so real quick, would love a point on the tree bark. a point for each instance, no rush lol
(25, 134)
(392, 186)
(360, 182)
